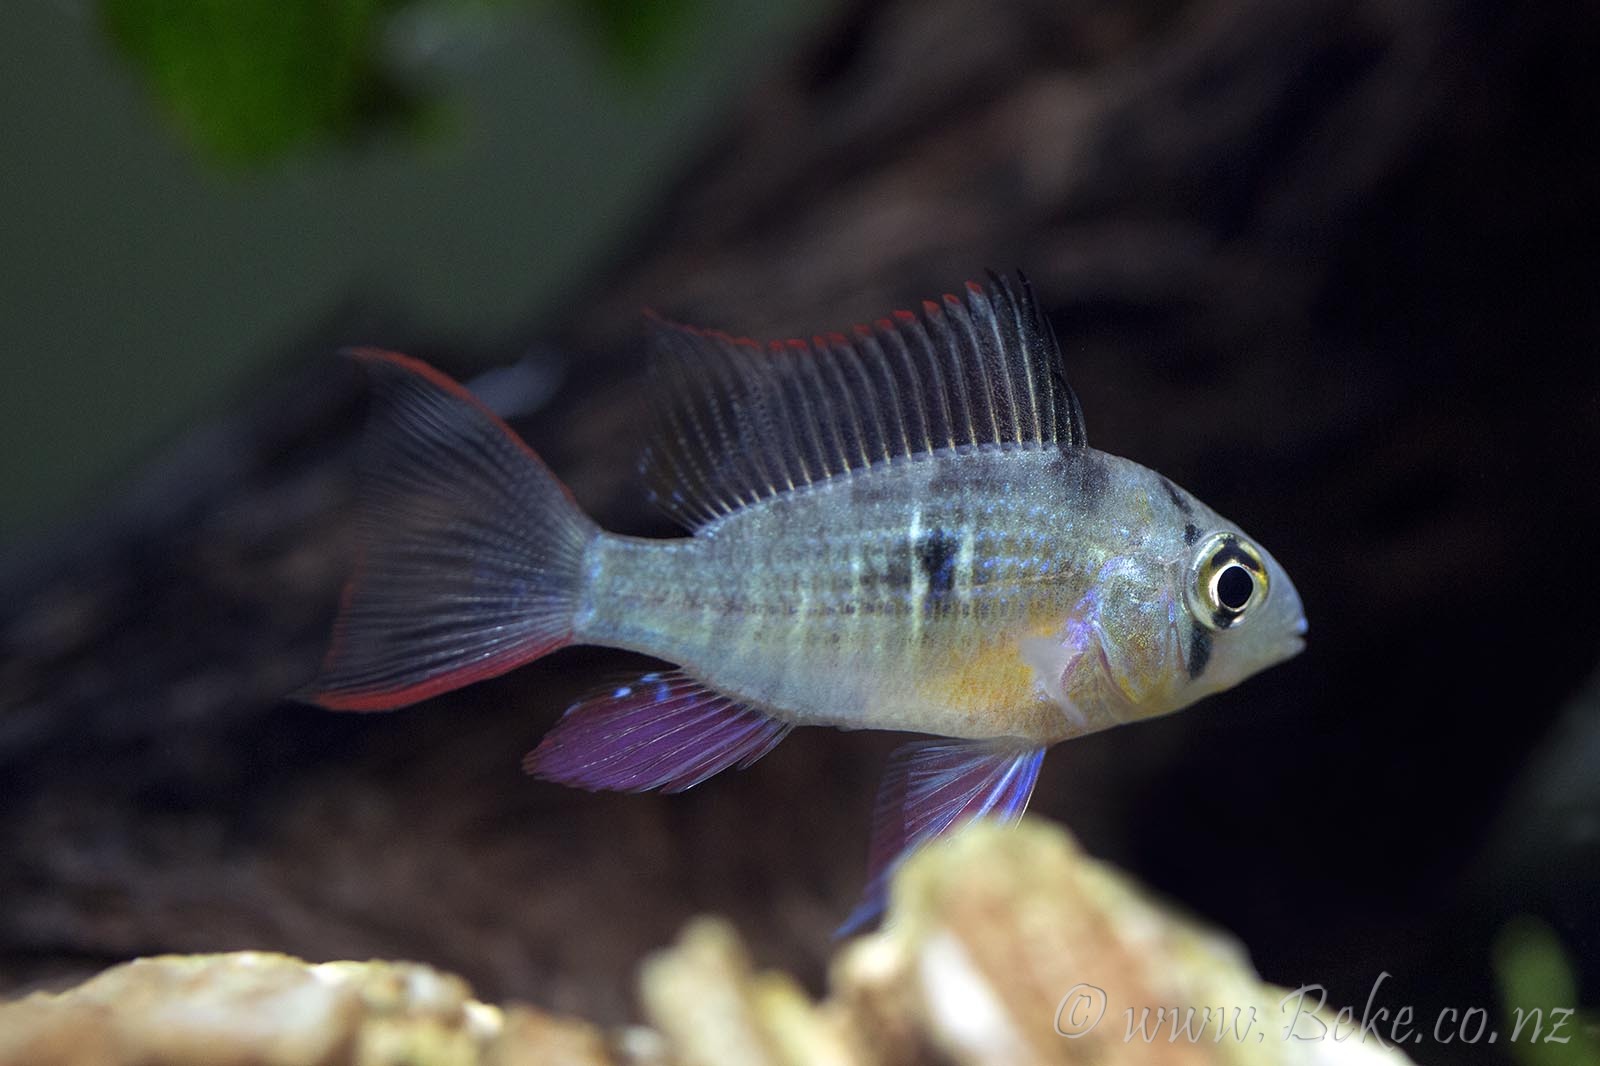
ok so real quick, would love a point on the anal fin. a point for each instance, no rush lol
(929, 788)
(664, 731)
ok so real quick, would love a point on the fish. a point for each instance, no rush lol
(900, 527)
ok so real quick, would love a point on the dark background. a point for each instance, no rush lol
(1329, 265)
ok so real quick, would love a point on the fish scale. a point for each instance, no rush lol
(899, 527)
(813, 583)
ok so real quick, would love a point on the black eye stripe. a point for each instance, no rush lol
(1177, 497)
(1219, 596)
(1229, 552)
(1199, 651)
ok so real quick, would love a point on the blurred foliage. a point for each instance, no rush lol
(633, 34)
(1535, 975)
(249, 81)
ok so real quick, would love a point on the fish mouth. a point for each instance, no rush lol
(1296, 642)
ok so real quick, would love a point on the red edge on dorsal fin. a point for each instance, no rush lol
(724, 336)
(821, 341)
(728, 338)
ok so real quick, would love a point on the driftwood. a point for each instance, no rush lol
(1329, 264)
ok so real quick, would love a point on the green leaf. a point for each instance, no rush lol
(250, 80)
(635, 37)
(1536, 986)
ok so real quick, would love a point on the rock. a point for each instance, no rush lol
(256, 1009)
(1010, 946)
(1002, 947)
(712, 1009)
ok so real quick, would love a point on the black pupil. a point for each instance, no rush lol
(1234, 586)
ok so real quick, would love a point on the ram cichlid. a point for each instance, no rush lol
(900, 527)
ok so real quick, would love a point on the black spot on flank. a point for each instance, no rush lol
(936, 554)
(952, 474)
(1087, 470)
(1179, 500)
(1191, 533)
(898, 575)
(1095, 477)
(1199, 651)
(868, 492)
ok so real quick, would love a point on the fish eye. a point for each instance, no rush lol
(1229, 580)
(1235, 586)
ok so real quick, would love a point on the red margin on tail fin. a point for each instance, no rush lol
(419, 615)
(401, 697)
(439, 379)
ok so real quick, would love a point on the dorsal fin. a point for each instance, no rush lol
(742, 420)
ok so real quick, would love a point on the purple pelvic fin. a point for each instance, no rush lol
(664, 731)
(930, 787)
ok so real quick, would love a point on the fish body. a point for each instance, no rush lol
(923, 594)
(902, 529)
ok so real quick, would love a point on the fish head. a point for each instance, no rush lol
(1240, 613)
(1183, 604)
(1235, 612)
(1223, 608)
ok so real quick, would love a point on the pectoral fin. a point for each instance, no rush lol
(930, 787)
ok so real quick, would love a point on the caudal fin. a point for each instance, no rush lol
(472, 552)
